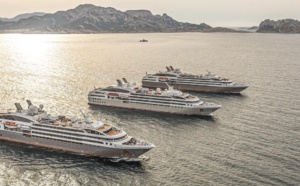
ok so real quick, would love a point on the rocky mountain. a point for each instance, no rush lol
(280, 26)
(95, 19)
(22, 16)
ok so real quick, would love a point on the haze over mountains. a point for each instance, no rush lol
(22, 16)
(89, 18)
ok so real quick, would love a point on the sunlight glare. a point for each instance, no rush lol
(33, 52)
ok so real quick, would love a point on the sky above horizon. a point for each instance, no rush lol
(212, 12)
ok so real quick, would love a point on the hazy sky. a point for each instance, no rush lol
(212, 12)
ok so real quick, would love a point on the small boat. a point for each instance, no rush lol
(143, 40)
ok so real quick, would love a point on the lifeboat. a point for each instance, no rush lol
(163, 79)
(113, 94)
(64, 123)
(8, 123)
(56, 123)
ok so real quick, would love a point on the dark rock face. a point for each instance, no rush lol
(280, 26)
(139, 13)
(94, 19)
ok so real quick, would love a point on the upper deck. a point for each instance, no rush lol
(127, 90)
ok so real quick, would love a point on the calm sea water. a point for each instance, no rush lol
(253, 140)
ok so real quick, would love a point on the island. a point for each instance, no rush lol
(280, 26)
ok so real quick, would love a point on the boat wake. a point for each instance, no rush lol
(140, 158)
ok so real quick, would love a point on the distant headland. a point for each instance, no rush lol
(89, 18)
(280, 26)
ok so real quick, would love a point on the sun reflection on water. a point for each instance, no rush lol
(31, 52)
(31, 65)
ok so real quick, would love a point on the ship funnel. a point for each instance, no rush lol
(125, 80)
(171, 68)
(32, 110)
(119, 82)
(29, 103)
(18, 106)
(168, 69)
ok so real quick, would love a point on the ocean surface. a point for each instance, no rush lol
(254, 139)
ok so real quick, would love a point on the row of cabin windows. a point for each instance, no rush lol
(80, 135)
(156, 105)
(181, 99)
(152, 104)
(97, 100)
(57, 139)
(100, 96)
(59, 128)
(138, 93)
(154, 101)
(69, 141)
(198, 80)
(59, 136)
(63, 132)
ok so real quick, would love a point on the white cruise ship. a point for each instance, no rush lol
(129, 96)
(34, 126)
(190, 82)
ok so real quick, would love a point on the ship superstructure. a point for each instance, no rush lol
(34, 126)
(183, 81)
(128, 95)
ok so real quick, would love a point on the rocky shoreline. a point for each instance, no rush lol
(280, 26)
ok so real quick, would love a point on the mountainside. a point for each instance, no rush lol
(94, 19)
(22, 16)
(280, 26)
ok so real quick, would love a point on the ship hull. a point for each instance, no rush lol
(235, 89)
(201, 111)
(104, 152)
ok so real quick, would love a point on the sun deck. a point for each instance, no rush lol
(113, 132)
(104, 128)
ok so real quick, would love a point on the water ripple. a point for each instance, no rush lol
(253, 140)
